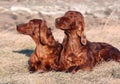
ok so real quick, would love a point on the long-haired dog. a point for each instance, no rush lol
(78, 52)
(47, 51)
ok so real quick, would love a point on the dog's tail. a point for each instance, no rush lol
(118, 60)
(115, 55)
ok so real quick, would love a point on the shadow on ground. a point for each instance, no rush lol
(27, 52)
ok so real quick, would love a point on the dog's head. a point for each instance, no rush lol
(72, 22)
(37, 29)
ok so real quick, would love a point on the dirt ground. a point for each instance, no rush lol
(102, 22)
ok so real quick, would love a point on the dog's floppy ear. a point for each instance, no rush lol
(42, 25)
(80, 32)
(82, 37)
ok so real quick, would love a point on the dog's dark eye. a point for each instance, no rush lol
(71, 16)
(75, 16)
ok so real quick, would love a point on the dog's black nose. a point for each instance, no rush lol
(57, 20)
(17, 26)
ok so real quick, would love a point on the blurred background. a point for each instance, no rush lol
(102, 23)
(96, 12)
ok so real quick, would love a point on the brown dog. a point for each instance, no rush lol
(47, 51)
(78, 52)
